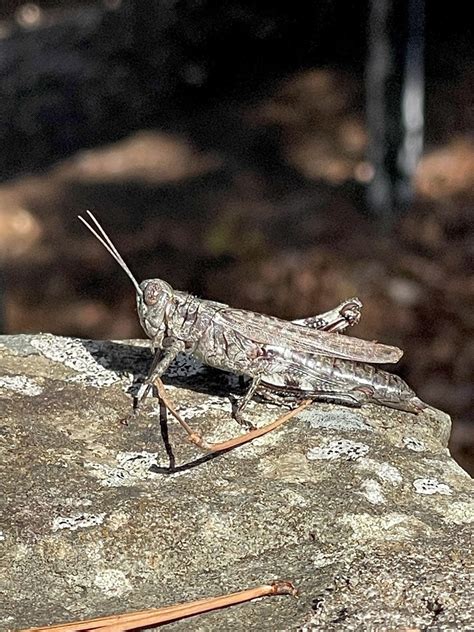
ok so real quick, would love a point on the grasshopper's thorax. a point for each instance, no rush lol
(152, 305)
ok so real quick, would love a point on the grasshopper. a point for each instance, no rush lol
(304, 360)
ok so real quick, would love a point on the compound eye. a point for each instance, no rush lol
(151, 294)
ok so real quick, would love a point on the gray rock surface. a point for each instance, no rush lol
(364, 510)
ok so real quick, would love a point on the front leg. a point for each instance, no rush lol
(161, 361)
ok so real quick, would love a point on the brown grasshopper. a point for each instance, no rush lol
(287, 361)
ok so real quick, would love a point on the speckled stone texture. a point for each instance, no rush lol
(364, 510)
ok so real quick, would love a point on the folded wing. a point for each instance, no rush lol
(274, 331)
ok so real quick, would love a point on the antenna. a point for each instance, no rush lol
(108, 245)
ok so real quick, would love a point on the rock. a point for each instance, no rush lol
(363, 510)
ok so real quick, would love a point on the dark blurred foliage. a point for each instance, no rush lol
(82, 73)
(224, 147)
(94, 74)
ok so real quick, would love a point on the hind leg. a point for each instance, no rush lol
(345, 315)
(355, 397)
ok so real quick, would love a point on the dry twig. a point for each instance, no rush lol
(156, 616)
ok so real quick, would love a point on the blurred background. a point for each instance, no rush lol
(277, 158)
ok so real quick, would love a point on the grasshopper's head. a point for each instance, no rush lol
(153, 299)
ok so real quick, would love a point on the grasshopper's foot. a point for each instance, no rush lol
(245, 423)
(138, 400)
(238, 416)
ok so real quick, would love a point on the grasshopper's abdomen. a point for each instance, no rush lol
(319, 375)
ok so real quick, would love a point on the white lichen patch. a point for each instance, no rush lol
(213, 402)
(388, 473)
(384, 471)
(131, 467)
(2, 536)
(340, 449)
(388, 527)
(340, 420)
(112, 582)
(20, 384)
(414, 444)
(73, 353)
(460, 512)
(78, 521)
(430, 486)
(372, 491)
